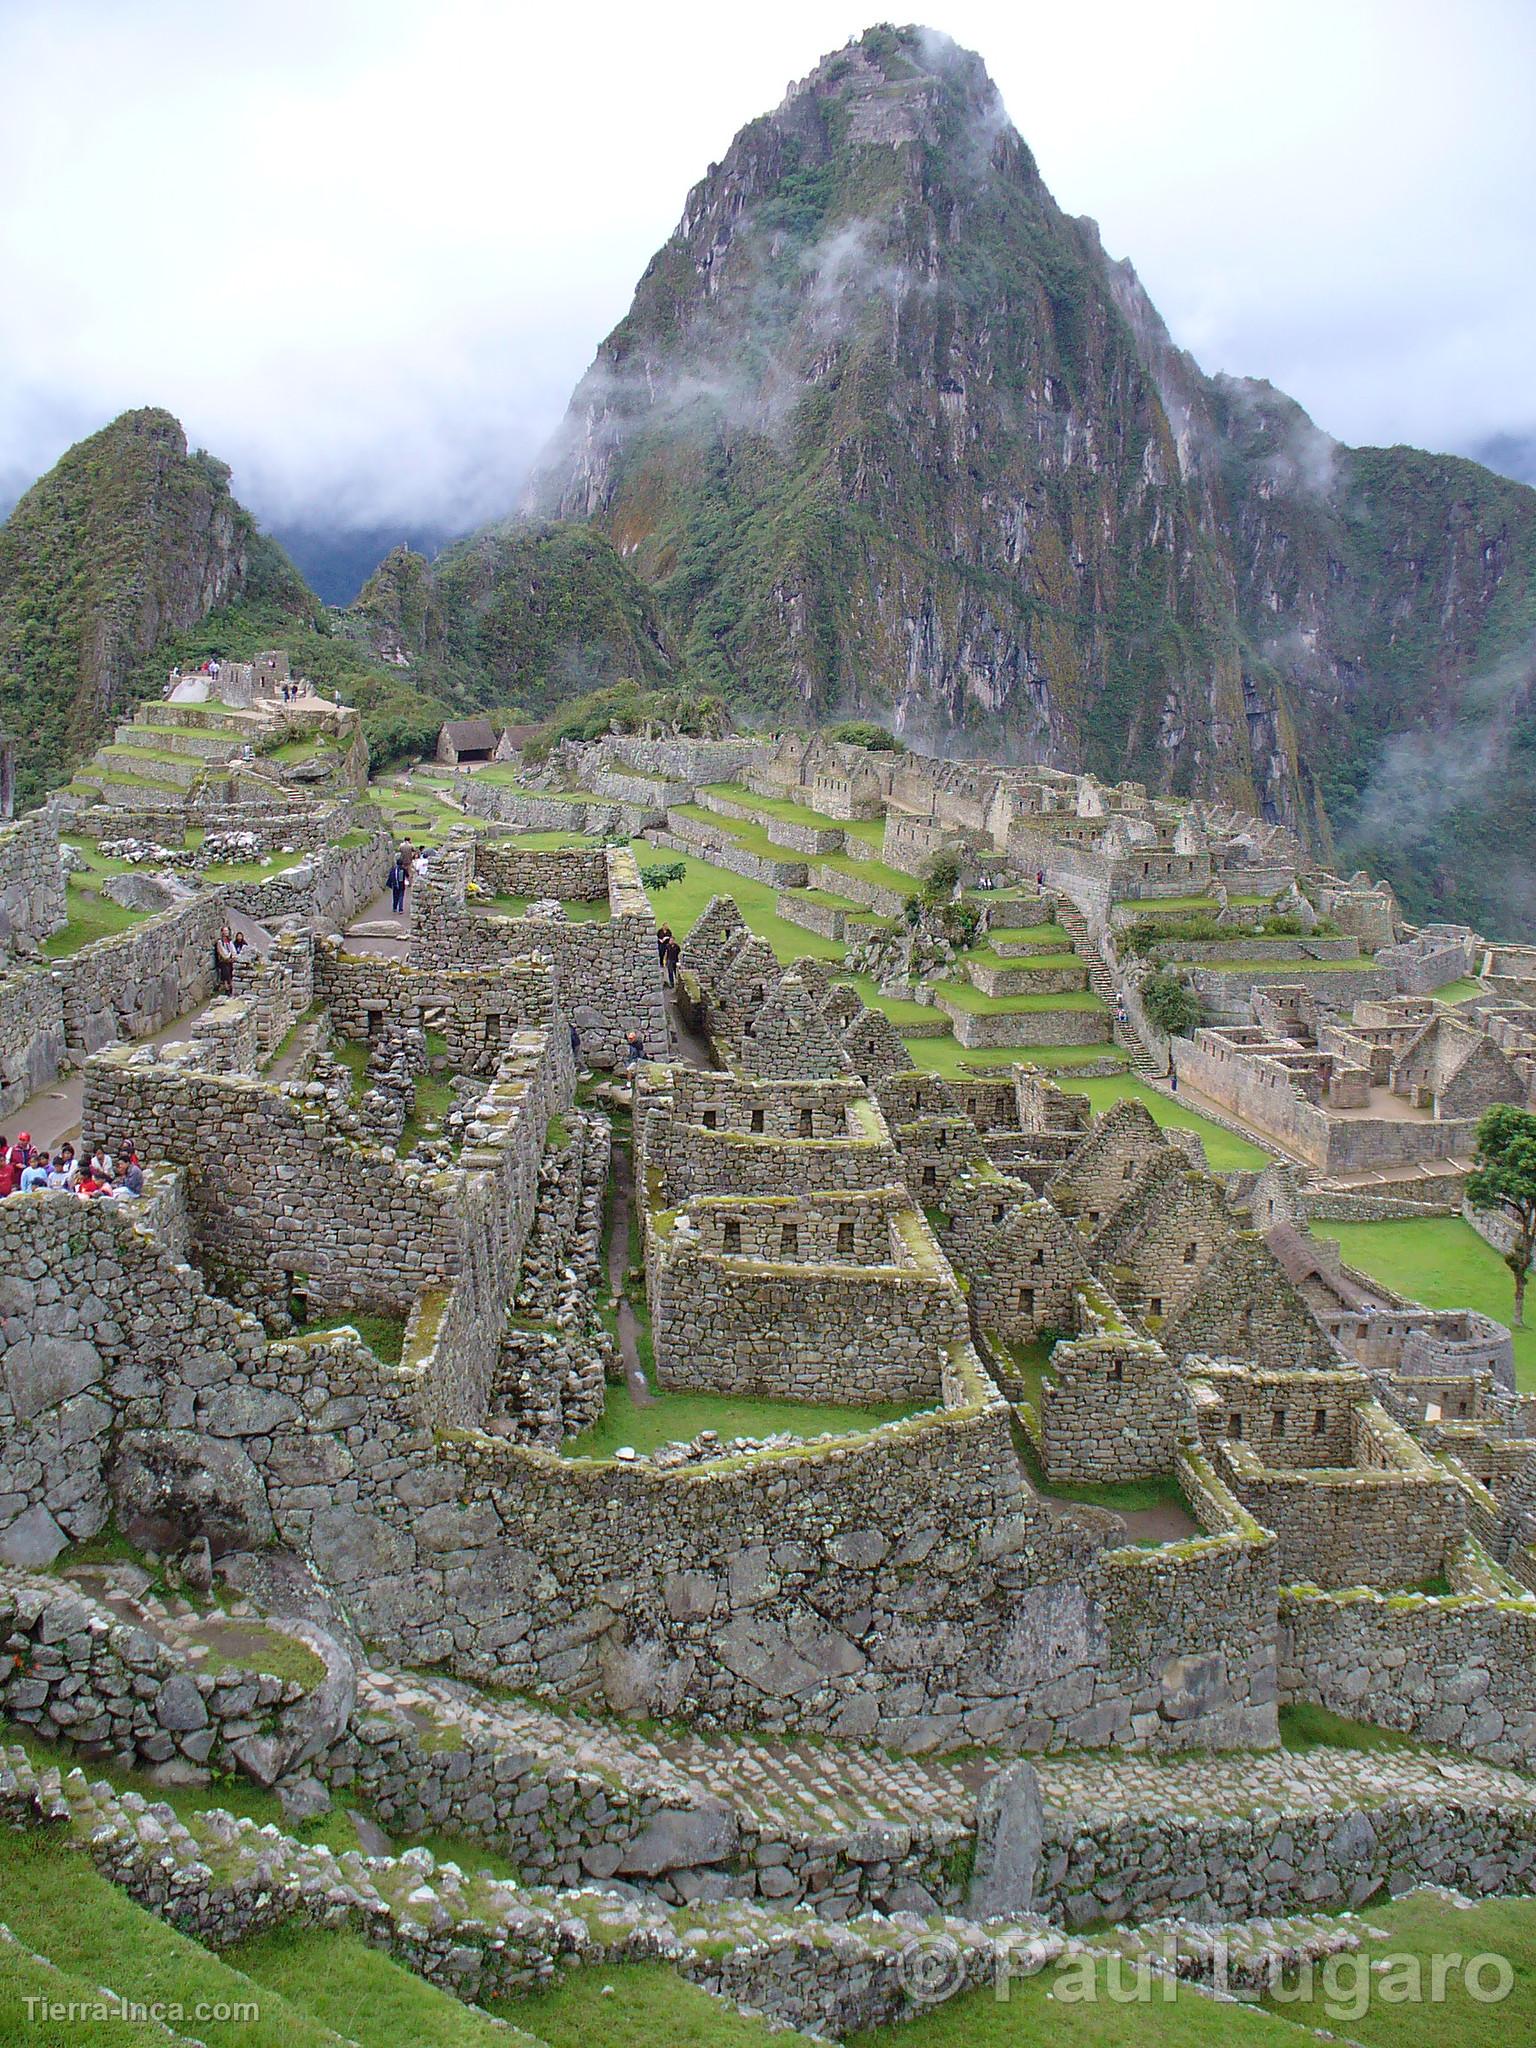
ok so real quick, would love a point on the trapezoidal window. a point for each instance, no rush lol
(1235, 1427)
(1278, 1422)
(710, 1119)
(731, 1235)
(807, 1123)
(845, 1240)
(789, 1241)
(1320, 1422)
(757, 1120)
(1191, 1253)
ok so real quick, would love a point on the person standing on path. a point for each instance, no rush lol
(672, 952)
(224, 959)
(398, 878)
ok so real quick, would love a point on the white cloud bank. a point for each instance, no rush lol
(365, 248)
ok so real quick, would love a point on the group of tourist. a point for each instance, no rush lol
(228, 947)
(27, 1170)
(406, 867)
(669, 951)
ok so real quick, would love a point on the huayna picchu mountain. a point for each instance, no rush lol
(887, 432)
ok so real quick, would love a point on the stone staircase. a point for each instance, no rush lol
(1103, 984)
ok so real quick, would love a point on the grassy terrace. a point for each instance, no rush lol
(1300, 966)
(965, 997)
(1224, 1151)
(754, 839)
(1043, 938)
(1442, 1262)
(869, 831)
(954, 1062)
(678, 1418)
(918, 1018)
(1151, 906)
(1461, 991)
(984, 956)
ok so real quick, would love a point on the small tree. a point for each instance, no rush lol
(1173, 1007)
(1503, 1182)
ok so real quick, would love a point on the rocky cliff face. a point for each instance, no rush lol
(886, 431)
(127, 540)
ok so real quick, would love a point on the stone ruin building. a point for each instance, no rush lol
(1029, 1713)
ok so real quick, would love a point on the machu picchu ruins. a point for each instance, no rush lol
(767, 1029)
(1039, 1454)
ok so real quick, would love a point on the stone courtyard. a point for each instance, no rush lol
(302, 1479)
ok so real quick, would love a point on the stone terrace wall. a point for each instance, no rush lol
(608, 974)
(478, 1011)
(553, 813)
(1456, 1670)
(780, 1328)
(275, 1191)
(32, 889)
(32, 1042)
(902, 1586)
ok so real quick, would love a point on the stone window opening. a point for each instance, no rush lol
(1129, 1170)
(1040, 1256)
(845, 1240)
(375, 1022)
(807, 1123)
(999, 1211)
(1191, 1253)
(710, 1119)
(930, 1176)
(1320, 1422)
(1235, 1427)
(1093, 1216)
(731, 1234)
(1279, 1422)
(1155, 1305)
(1027, 1301)
(1117, 1369)
(757, 1121)
(789, 1241)
(492, 1030)
(297, 1290)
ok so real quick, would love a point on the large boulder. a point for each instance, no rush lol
(308, 1727)
(1010, 1826)
(170, 1486)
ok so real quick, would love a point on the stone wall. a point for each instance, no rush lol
(765, 1315)
(32, 1037)
(1025, 1027)
(1451, 1670)
(1388, 1523)
(281, 1201)
(478, 1012)
(32, 888)
(569, 875)
(608, 974)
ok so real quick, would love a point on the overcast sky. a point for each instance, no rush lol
(365, 250)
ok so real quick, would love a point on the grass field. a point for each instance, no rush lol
(91, 916)
(1442, 1262)
(946, 1056)
(678, 1418)
(1224, 1151)
(1458, 991)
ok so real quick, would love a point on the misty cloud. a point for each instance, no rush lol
(366, 254)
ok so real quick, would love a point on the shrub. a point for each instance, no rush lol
(863, 732)
(664, 874)
(1171, 1004)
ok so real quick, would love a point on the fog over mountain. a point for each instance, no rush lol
(366, 254)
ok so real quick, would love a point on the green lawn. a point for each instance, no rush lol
(985, 956)
(905, 1015)
(383, 1334)
(1224, 1151)
(578, 910)
(678, 1418)
(1459, 991)
(1442, 1262)
(947, 1057)
(90, 916)
(965, 997)
(682, 904)
(361, 1992)
(1149, 906)
(431, 1102)
(641, 2005)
